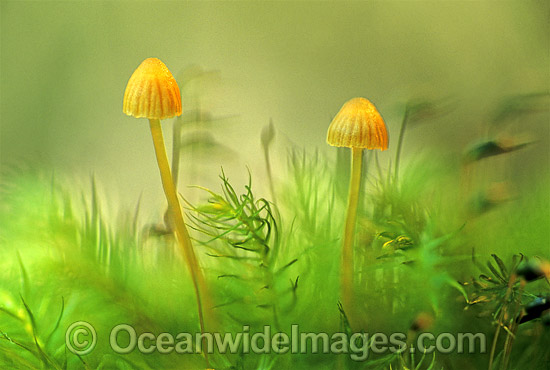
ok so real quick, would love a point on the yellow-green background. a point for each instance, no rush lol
(64, 67)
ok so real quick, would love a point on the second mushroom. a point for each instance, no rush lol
(358, 125)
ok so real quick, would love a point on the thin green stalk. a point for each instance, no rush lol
(268, 134)
(181, 230)
(269, 174)
(502, 313)
(400, 142)
(513, 328)
(494, 346)
(349, 233)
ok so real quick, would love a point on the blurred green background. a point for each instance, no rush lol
(64, 68)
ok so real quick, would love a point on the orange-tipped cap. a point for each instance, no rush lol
(152, 92)
(358, 125)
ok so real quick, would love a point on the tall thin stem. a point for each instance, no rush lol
(181, 230)
(269, 174)
(400, 143)
(268, 134)
(501, 317)
(513, 328)
(349, 233)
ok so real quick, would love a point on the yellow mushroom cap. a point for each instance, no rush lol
(358, 125)
(152, 92)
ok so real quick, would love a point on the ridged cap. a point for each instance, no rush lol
(152, 92)
(358, 125)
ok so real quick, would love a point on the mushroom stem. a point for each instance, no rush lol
(349, 233)
(181, 230)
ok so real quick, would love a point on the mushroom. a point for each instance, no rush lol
(152, 92)
(358, 126)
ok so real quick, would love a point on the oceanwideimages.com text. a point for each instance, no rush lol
(81, 338)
